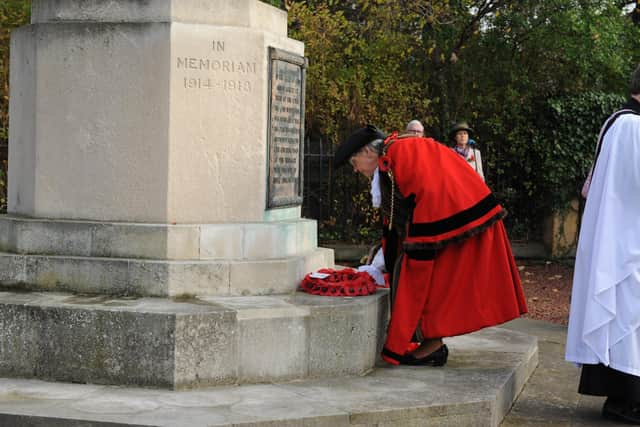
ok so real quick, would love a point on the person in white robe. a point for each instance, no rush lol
(604, 320)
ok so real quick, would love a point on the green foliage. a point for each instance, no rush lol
(532, 52)
(356, 60)
(277, 3)
(564, 147)
(495, 63)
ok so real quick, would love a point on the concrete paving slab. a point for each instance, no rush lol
(485, 370)
(550, 397)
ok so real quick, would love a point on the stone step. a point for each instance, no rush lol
(159, 278)
(197, 342)
(485, 373)
(228, 241)
(250, 14)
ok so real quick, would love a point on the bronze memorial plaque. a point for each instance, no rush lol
(286, 128)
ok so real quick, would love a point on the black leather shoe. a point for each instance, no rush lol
(618, 410)
(436, 358)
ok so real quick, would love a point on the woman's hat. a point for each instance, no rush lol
(355, 142)
(460, 126)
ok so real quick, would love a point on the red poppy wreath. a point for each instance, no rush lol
(339, 283)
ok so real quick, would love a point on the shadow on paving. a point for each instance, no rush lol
(550, 397)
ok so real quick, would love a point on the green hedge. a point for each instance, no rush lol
(565, 146)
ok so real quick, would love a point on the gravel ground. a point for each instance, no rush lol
(547, 288)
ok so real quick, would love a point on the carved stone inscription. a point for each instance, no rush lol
(286, 128)
(215, 71)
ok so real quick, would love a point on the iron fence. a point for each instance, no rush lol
(339, 199)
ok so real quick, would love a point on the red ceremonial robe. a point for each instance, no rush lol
(457, 273)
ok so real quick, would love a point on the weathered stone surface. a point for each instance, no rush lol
(266, 277)
(206, 349)
(274, 343)
(22, 110)
(149, 102)
(243, 13)
(463, 393)
(260, 240)
(279, 336)
(144, 342)
(307, 235)
(39, 237)
(121, 276)
(144, 241)
(223, 241)
(7, 241)
(233, 241)
(12, 270)
(92, 119)
(319, 258)
(189, 342)
(171, 278)
(75, 274)
(357, 333)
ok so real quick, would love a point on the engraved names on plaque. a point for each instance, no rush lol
(286, 128)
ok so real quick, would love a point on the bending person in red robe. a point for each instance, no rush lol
(445, 245)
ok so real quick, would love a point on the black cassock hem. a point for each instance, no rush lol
(600, 380)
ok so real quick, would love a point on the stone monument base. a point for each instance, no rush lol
(485, 374)
(175, 305)
(169, 343)
(158, 260)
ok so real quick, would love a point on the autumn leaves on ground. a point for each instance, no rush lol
(547, 288)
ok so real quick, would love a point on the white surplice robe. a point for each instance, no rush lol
(604, 321)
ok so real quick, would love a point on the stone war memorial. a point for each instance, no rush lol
(153, 246)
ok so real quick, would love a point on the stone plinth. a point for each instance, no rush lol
(486, 372)
(154, 229)
(187, 343)
(158, 259)
(227, 241)
(161, 278)
(140, 154)
(151, 112)
(238, 13)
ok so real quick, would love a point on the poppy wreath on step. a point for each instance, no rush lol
(339, 283)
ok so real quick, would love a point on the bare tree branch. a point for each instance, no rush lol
(484, 8)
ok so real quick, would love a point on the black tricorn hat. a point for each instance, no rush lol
(460, 126)
(355, 142)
